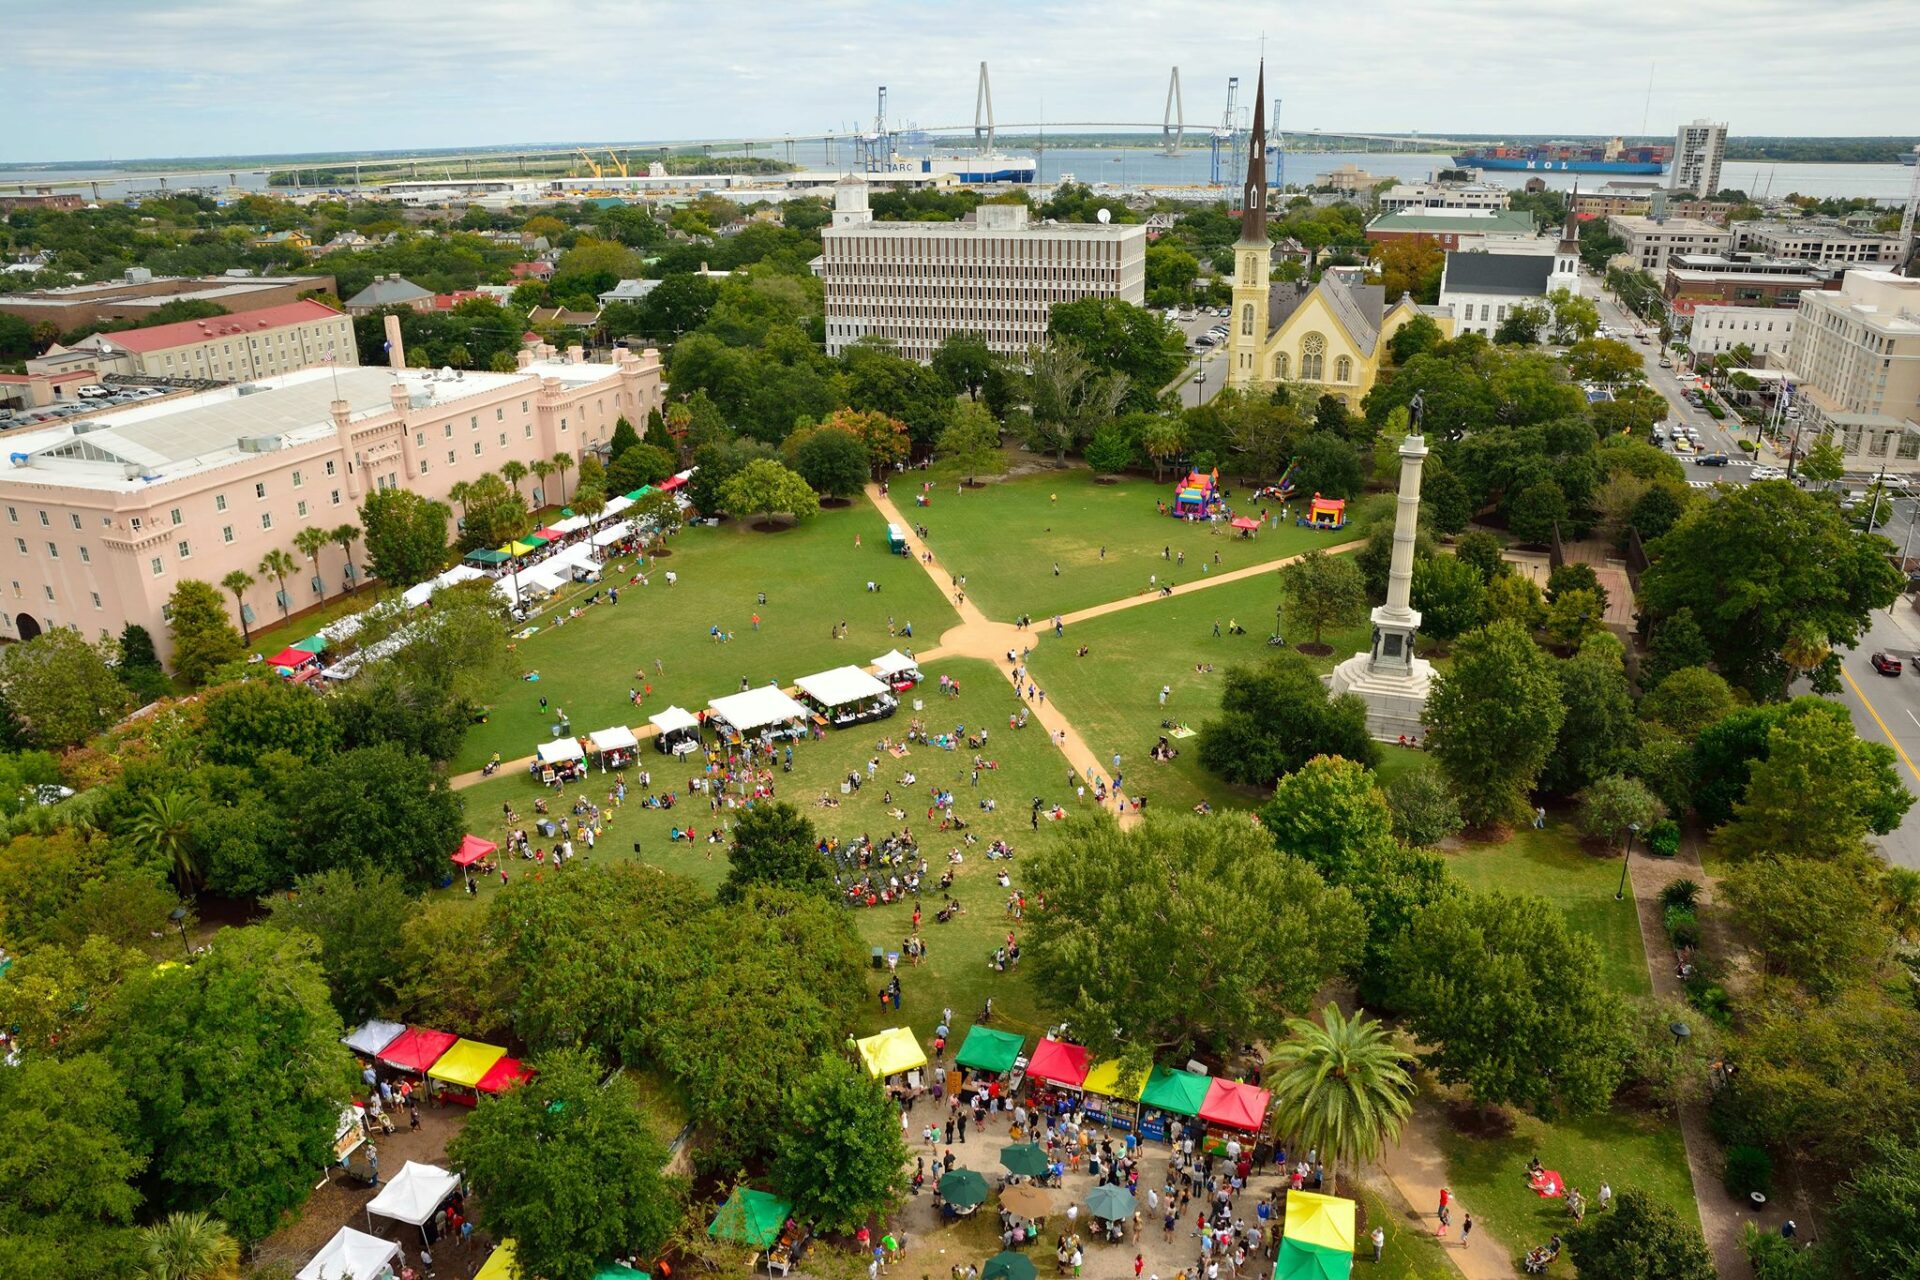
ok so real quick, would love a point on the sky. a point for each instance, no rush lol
(124, 79)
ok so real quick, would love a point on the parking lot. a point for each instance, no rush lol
(80, 407)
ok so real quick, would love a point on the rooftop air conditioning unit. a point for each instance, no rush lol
(420, 399)
(259, 444)
(250, 388)
(85, 425)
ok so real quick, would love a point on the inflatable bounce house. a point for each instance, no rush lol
(1325, 513)
(1197, 496)
(1282, 491)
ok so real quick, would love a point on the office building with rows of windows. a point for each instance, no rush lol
(100, 519)
(235, 348)
(1855, 362)
(997, 274)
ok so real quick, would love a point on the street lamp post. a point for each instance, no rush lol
(179, 917)
(1633, 829)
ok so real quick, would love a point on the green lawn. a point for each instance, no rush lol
(813, 577)
(956, 972)
(1113, 694)
(1553, 864)
(1411, 1252)
(1007, 536)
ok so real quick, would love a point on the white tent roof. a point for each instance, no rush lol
(617, 738)
(840, 686)
(893, 663)
(350, 1255)
(416, 595)
(672, 719)
(613, 532)
(545, 578)
(572, 524)
(373, 1035)
(616, 505)
(560, 750)
(757, 708)
(415, 1194)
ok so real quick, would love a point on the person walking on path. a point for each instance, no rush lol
(1379, 1239)
(1466, 1229)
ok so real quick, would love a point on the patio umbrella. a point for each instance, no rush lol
(1008, 1266)
(1110, 1203)
(1027, 1201)
(963, 1189)
(1025, 1159)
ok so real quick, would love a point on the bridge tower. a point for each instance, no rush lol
(983, 114)
(1174, 126)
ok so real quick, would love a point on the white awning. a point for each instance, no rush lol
(891, 664)
(417, 594)
(374, 1035)
(840, 686)
(673, 719)
(561, 750)
(613, 532)
(757, 708)
(350, 1255)
(415, 1194)
(616, 505)
(572, 524)
(618, 738)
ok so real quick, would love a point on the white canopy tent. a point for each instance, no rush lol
(350, 1255)
(757, 708)
(674, 719)
(840, 686)
(613, 532)
(572, 524)
(415, 1195)
(893, 663)
(618, 738)
(561, 750)
(616, 505)
(372, 1036)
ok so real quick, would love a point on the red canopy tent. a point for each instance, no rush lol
(1058, 1062)
(292, 659)
(472, 849)
(417, 1048)
(1245, 522)
(671, 483)
(1233, 1105)
(551, 535)
(503, 1075)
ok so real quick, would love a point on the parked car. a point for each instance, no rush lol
(1886, 664)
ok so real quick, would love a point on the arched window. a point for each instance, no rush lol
(1313, 358)
(1279, 366)
(1343, 369)
(1246, 320)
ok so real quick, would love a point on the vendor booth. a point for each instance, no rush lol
(1170, 1093)
(678, 732)
(486, 556)
(1108, 1101)
(291, 661)
(898, 670)
(1318, 1244)
(414, 1196)
(463, 1067)
(891, 1052)
(473, 849)
(989, 1061)
(503, 1075)
(416, 1049)
(763, 710)
(615, 532)
(760, 1221)
(349, 1133)
(563, 758)
(501, 1264)
(373, 1035)
(350, 1255)
(614, 746)
(846, 696)
(1233, 1109)
(1055, 1072)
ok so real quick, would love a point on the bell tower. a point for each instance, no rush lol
(1252, 255)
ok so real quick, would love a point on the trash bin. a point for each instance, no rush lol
(879, 958)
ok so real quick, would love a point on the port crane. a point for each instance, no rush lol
(1223, 137)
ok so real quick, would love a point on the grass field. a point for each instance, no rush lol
(1007, 536)
(813, 577)
(955, 972)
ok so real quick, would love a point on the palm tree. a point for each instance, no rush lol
(1900, 902)
(346, 535)
(563, 462)
(277, 564)
(162, 829)
(310, 542)
(513, 473)
(1340, 1085)
(1806, 648)
(188, 1246)
(459, 492)
(237, 582)
(541, 470)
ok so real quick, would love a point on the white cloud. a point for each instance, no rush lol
(211, 77)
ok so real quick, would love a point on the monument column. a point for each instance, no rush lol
(1396, 621)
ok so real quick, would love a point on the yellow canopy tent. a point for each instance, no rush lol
(1104, 1079)
(499, 1264)
(466, 1063)
(890, 1052)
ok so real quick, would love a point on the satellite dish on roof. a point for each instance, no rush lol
(1105, 216)
(446, 371)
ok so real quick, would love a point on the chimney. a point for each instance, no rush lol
(396, 350)
(576, 354)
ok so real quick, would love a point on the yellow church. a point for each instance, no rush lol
(1331, 336)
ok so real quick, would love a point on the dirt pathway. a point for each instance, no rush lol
(1201, 584)
(1418, 1170)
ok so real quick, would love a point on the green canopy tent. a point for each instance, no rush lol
(749, 1217)
(618, 1271)
(639, 493)
(487, 555)
(312, 644)
(1181, 1092)
(986, 1049)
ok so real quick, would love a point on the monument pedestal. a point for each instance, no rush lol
(1396, 698)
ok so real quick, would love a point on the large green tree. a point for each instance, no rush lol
(360, 920)
(406, 535)
(1275, 716)
(380, 807)
(1341, 1086)
(1318, 591)
(1750, 596)
(1598, 731)
(1874, 1227)
(1641, 1239)
(838, 1155)
(68, 1158)
(60, 689)
(833, 462)
(1817, 791)
(1116, 945)
(775, 846)
(248, 719)
(971, 441)
(1450, 594)
(1509, 1001)
(1118, 337)
(1329, 813)
(1817, 923)
(766, 487)
(568, 1167)
(1493, 719)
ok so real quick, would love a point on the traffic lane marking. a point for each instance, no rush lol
(1867, 702)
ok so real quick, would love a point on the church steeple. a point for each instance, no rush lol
(1570, 233)
(1253, 198)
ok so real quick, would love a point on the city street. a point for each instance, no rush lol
(1886, 709)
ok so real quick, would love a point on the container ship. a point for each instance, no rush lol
(1570, 157)
(970, 169)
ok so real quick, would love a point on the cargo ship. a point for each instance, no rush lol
(970, 168)
(1570, 157)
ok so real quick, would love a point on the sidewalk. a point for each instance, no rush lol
(1417, 1170)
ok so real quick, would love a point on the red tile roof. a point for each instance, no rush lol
(523, 269)
(448, 301)
(160, 337)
